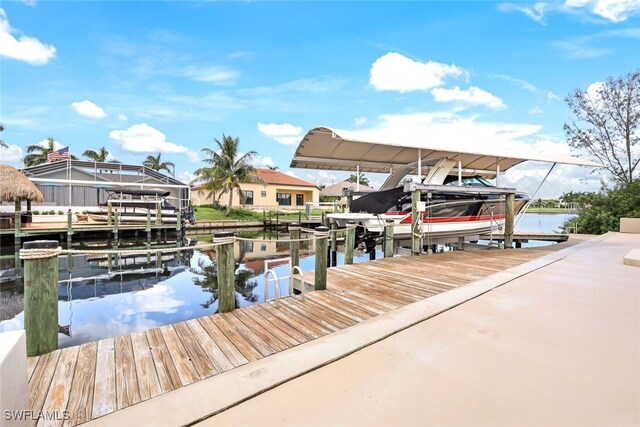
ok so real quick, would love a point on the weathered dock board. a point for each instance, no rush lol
(95, 379)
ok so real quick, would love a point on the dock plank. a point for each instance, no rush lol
(181, 360)
(104, 394)
(80, 401)
(41, 379)
(60, 388)
(148, 382)
(247, 350)
(166, 370)
(234, 355)
(265, 334)
(211, 349)
(127, 390)
(204, 366)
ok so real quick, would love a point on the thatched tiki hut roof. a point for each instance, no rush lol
(15, 186)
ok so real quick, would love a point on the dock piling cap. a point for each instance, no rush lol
(41, 244)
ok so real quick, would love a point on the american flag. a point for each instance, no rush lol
(62, 153)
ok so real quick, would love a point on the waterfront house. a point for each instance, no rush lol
(79, 184)
(274, 189)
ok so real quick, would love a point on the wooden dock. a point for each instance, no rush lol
(97, 378)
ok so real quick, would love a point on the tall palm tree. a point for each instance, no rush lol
(229, 169)
(156, 163)
(38, 153)
(98, 156)
(2, 143)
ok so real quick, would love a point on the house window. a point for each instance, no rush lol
(248, 197)
(284, 199)
(263, 194)
(299, 199)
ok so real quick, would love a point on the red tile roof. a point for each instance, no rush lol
(276, 178)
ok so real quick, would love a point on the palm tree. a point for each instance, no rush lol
(2, 143)
(98, 156)
(228, 169)
(38, 153)
(155, 163)
(363, 180)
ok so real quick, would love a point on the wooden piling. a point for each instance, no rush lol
(416, 234)
(69, 226)
(17, 221)
(334, 243)
(158, 213)
(148, 228)
(349, 242)
(41, 300)
(109, 212)
(320, 282)
(294, 233)
(510, 204)
(116, 221)
(388, 239)
(226, 273)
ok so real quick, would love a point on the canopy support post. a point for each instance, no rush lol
(358, 177)
(459, 171)
(419, 165)
(524, 210)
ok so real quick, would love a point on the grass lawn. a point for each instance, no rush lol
(206, 213)
(550, 210)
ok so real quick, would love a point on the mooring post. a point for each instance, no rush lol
(294, 233)
(334, 243)
(320, 282)
(226, 271)
(41, 299)
(508, 220)
(109, 213)
(416, 234)
(69, 226)
(148, 228)
(178, 222)
(18, 220)
(388, 238)
(116, 221)
(349, 242)
(158, 213)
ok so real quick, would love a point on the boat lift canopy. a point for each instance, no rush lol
(379, 152)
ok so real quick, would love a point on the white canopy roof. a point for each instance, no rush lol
(380, 151)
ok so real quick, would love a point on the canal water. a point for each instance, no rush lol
(101, 297)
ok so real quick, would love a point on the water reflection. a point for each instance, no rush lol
(102, 296)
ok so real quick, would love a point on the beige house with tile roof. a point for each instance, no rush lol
(277, 190)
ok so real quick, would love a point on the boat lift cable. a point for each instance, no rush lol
(534, 195)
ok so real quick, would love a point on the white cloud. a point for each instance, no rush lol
(88, 109)
(536, 110)
(212, 74)
(552, 96)
(290, 173)
(359, 121)
(594, 90)
(262, 161)
(609, 10)
(396, 72)
(24, 48)
(472, 96)
(185, 177)
(142, 138)
(122, 117)
(284, 133)
(45, 143)
(12, 153)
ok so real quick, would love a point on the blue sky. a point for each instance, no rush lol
(146, 77)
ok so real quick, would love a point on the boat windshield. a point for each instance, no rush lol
(470, 181)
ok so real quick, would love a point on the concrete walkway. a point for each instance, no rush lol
(557, 346)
